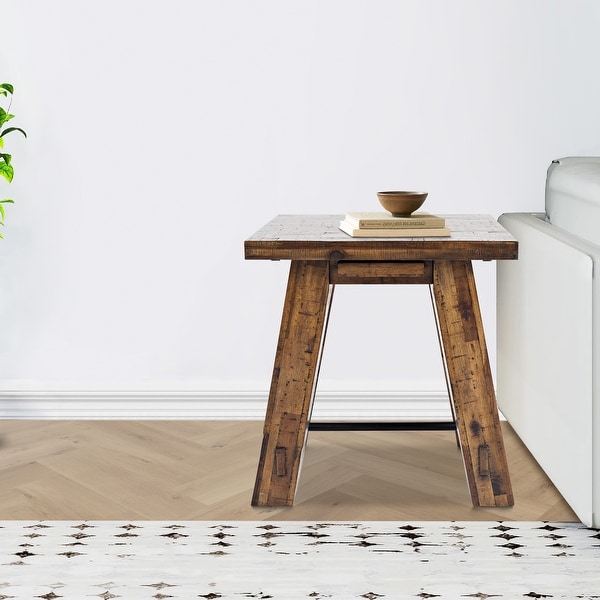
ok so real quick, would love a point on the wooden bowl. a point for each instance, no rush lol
(401, 204)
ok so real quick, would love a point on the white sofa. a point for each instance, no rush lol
(548, 357)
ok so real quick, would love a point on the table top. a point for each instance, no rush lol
(316, 237)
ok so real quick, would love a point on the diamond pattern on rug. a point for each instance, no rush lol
(288, 560)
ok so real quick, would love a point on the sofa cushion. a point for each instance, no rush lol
(573, 196)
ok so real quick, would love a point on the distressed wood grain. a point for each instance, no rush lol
(316, 237)
(472, 389)
(294, 380)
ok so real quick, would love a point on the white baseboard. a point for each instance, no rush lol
(420, 402)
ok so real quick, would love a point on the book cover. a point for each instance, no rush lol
(394, 232)
(384, 220)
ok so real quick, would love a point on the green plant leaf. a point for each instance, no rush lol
(9, 129)
(4, 116)
(7, 171)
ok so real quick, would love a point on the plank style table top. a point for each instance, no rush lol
(315, 237)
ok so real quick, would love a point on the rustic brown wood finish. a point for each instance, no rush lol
(294, 382)
(323, 256)
(471, 385)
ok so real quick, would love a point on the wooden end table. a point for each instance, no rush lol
(322, 256)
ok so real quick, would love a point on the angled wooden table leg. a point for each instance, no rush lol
(294, 381)
(471, 384)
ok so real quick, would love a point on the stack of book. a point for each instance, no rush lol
(383, 224)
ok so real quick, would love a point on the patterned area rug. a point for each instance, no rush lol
(287, 560)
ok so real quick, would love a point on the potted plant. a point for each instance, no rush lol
(6, 169)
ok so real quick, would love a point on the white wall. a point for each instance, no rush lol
(162, 135)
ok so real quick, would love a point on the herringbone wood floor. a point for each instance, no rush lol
(187, 470)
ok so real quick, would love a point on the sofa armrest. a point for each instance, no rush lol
(538, 222)
(547, 358)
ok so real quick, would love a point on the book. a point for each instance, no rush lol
(384, 220)
(394, 231)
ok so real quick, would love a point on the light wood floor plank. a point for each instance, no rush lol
(203, 470)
